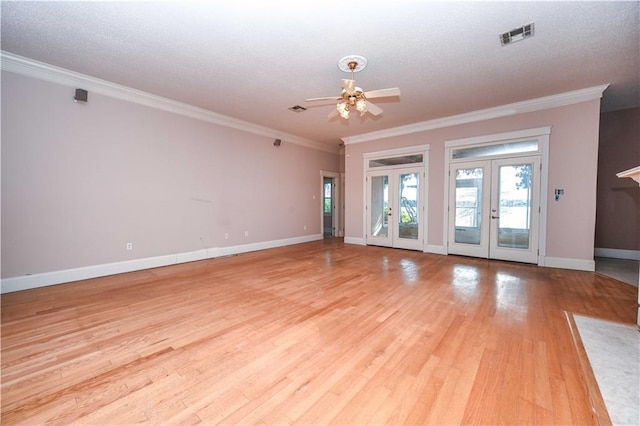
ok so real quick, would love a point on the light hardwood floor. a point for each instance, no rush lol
(321, 332)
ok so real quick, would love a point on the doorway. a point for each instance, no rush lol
(331, 204)
(395, 197)
(328, 207)
(494, 208)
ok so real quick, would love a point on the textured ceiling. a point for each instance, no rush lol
(254, 60)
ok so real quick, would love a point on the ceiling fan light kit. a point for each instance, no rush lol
(353, 97)
(350, 100)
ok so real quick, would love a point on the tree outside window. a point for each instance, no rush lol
(327, 198)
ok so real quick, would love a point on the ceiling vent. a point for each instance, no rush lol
(517, 34)
(297, 108)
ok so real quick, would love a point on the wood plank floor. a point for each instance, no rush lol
(321, 333)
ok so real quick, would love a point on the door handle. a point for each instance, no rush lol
(495, 217)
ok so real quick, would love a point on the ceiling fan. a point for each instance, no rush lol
(353, 97)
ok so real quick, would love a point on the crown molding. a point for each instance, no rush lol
(39, 70)
(538, 104)
(518, 134)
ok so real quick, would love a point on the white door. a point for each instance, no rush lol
(468, 207)
(394, 208)
(494, 208)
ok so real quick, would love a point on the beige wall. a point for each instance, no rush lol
(618, 211)
(79, 181)
(573, 150)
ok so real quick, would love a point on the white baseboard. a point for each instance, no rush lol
(27, 282)
(192, 256)
(354, 240)
(618, 253)
(568, 263)
(228, 251)
(430, 248)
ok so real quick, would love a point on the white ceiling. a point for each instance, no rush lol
(253, 60)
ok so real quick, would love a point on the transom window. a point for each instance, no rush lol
(497, 149)
(396, 161)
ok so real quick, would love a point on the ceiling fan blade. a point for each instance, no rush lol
(348, 85)
(381, 93)
(373, 109)
(333, 113)
(333, 98)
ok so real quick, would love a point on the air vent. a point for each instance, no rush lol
(517, 34)
(297, 108)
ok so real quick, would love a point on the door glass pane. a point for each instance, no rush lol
(327, 197)
(468, 205)
(408, 197)
(514, 221)
(379, 206)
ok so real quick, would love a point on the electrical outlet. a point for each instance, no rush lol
(226, 236)
(129, 246)
(305, 227)
(246, 233)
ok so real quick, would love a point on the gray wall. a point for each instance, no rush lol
(618, 205)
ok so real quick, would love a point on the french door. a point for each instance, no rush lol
(394, 208)
(494, 208)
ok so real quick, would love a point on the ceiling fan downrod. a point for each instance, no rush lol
(352, 66)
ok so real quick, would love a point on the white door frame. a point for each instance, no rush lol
(410, 150)
(542, 135)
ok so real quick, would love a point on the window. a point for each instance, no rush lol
(396, 161)
(468, 197)
(327, 198)
(496, 149)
